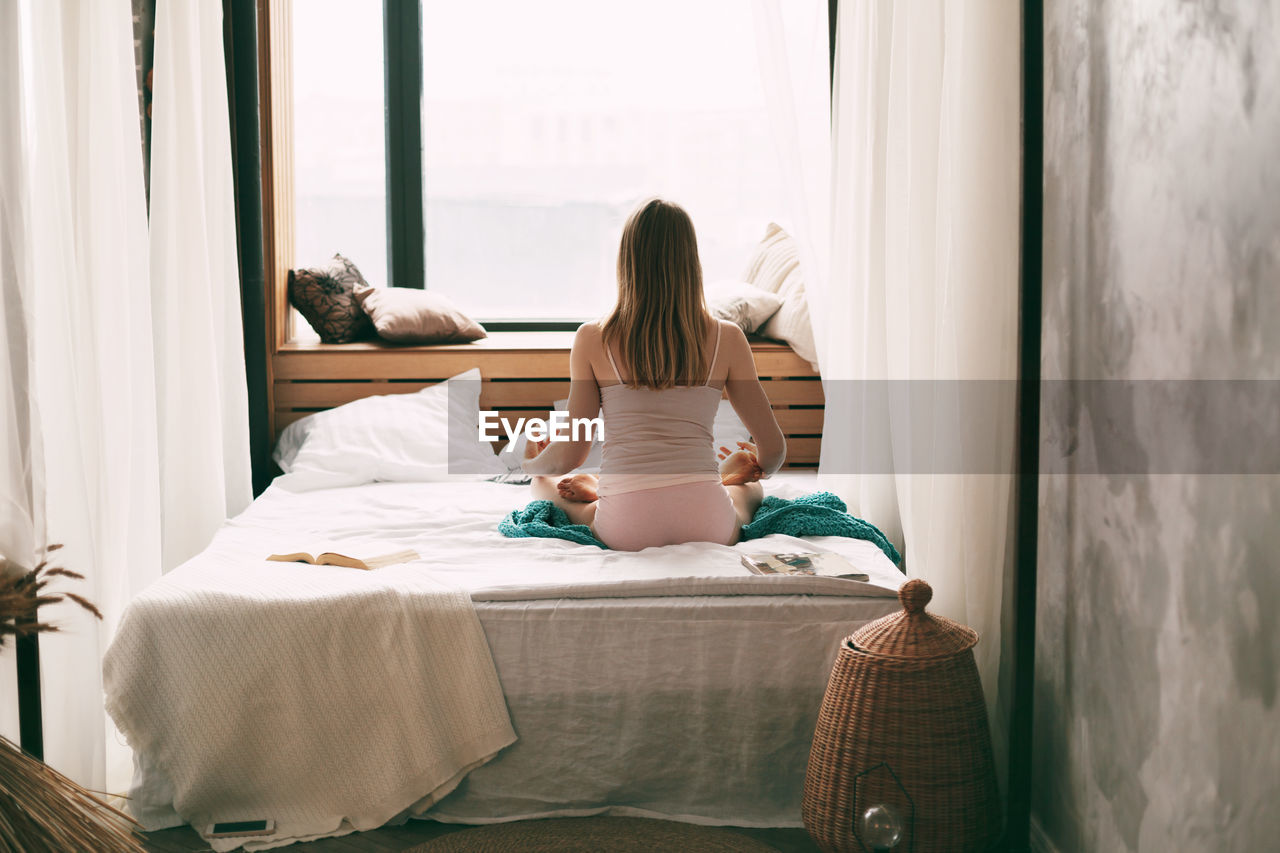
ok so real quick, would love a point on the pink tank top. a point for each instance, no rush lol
(658, 438)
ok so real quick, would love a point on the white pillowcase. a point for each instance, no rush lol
(743, 304)
(775, 267)
(427, 436)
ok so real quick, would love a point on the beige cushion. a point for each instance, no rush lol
(406, 315)
(775, 267)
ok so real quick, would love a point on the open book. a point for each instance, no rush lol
(823, 565)
(335, 557)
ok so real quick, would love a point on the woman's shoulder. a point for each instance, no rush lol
(588, 338)
(735, 349)
(731, 333)
(588, 331)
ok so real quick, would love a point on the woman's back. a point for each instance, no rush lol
(660, 481)
(655, 438)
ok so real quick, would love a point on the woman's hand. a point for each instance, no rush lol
(533, 448)
(741, 466)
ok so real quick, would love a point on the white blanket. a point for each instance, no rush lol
(328, 700)
(454, 527)
(333, 699)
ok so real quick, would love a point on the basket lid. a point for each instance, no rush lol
(914, 634)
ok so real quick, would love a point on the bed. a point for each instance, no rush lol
(671, 682)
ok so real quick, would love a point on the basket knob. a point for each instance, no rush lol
(914, 595)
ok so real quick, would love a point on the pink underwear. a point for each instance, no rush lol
(668, 515)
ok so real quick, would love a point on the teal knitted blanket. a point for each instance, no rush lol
(817, 514)
(545, 520)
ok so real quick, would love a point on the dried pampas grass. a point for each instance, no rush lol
(22, 593)
(40, 809)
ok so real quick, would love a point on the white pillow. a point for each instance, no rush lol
(740, 303)
(426, 436)
(775, 267)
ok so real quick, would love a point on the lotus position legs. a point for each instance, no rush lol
(580, 511)
(577, 493)
(582, 488)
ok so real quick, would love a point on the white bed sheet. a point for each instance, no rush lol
(454, 527)
(670, 682)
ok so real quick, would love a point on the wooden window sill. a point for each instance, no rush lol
(501, 341)
(523, 373)
(502, 355)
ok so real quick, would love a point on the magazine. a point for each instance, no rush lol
(823, 565)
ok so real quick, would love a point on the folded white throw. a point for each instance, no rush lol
(329, 700)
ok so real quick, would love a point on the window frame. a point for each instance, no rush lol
(406, 225)
(402, 84)
(402, 89)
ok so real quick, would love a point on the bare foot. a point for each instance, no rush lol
(582, 488)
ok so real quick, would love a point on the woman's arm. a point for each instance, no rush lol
(750, 402)
(561, 457)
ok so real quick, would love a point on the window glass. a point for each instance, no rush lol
(544, 124)
(339, 151)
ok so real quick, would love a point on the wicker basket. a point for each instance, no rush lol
(904, 725)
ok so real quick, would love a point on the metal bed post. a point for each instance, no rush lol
(30, 721)
(1018, 829)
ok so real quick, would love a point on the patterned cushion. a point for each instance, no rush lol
(325, 296)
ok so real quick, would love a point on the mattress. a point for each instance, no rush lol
(670, 682)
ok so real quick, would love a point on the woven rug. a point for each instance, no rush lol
(591, 835)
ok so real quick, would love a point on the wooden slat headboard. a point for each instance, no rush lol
(523, 373)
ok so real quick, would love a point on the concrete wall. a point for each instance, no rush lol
(1158, 641)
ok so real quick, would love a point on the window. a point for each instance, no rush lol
(542, 126)
(339, 141)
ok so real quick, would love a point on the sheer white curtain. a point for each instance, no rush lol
(791, 38)
(80, 271)
(18, 499)
(919, 288)
(950, 290)
(204, 433)
(96, 426)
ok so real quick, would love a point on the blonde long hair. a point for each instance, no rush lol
(661, 316)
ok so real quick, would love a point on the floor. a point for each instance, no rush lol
(399, 838)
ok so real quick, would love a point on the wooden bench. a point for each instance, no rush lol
(523, 373)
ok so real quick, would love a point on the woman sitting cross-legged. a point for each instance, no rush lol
(656, 366)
